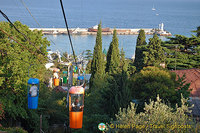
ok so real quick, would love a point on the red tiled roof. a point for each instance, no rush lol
(192, 77)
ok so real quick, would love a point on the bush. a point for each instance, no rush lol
(151, 81)
(13, 130)
(157, 117)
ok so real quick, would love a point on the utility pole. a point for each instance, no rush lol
(70, 75)
(41, 123)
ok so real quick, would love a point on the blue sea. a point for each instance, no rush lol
(178, 16)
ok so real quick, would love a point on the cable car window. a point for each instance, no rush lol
(33, 90)
(77, 102)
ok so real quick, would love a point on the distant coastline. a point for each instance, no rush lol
(105, 31)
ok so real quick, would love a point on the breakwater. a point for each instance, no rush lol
(105, 31)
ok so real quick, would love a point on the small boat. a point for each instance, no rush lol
(95, 29)
(153, 9)
(55, 32)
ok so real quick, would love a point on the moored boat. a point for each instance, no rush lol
(95, 29)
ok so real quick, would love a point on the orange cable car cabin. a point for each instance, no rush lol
(56, 76)
(76, 105)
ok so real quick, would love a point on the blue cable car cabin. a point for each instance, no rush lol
(33, 93)
(80, 80)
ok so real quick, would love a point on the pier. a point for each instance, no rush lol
(108, 31)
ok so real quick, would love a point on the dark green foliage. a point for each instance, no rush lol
(182, 52)
(88, 68)
(94, 109)
(183, 87)
(139, 52)
(141, 39)
(154, 54)
(131, 69)
(123, 62)
(55, 108)
(113, 56)
(97, 65)
(139, 57)
(116, 94)
(14, 64)
(88, 55)
(186, 44)
(102, 103)
(152, 81)
(12, 130)
(149, 55)
(110, 93)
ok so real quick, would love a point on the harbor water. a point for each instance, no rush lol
(87, 42)
(178, 16)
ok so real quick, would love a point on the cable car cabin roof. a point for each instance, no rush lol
(80, 78)
(33, 81)
(56, 70)
(76, 90)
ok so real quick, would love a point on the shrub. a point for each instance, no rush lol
(151, 81)
(13, 130)
(157, 117)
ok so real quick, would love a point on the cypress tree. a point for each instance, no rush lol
(140, 48)
(155, 54)
(113, 56)
(123, 64)
(97, 65)
(141, 39)
(139, 57)
(117, 93)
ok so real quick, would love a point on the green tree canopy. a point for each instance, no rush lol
(88, 54)
(182, 52)
(116, 94)
(187, 44)
(139, 62)
(15, 61)
(141, 39)
(113, 56)
(97, 64)
(157, 117)
(152, 81)
(140, 48)
(154, 54)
